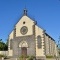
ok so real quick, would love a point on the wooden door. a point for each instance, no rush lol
(24, 51)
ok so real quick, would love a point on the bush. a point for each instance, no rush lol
(5, 57)
(21, 57)
(26, 57)
(49, 56)
(30, 57)
(1, 56)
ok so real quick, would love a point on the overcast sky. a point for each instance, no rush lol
(45, 12)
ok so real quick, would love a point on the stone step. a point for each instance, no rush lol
(11, 59)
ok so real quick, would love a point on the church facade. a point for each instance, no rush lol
(30, 40)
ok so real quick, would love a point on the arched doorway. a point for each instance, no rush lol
(23, 45)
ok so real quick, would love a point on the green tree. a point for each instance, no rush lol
(3, 46)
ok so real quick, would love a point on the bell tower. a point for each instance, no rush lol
(25, 12)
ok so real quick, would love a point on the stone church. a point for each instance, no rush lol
(30, 40)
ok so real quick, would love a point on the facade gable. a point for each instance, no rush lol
(24, 22)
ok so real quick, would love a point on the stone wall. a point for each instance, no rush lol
(31, 45)
(4, 53)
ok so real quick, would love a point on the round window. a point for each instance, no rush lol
(24, 30)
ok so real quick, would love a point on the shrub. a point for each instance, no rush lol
(26, 57)
(30, 57)
(49, 56)
(1, 55)
(21, 57)
(5, 57)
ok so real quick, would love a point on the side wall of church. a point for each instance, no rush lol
(56, 50)
(50, 46)
(46, 45)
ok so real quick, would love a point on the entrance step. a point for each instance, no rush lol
(11, 59)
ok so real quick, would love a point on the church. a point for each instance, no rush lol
(28, 39)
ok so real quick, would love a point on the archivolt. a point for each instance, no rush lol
(23, 44)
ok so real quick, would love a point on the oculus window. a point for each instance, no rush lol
(24, 30)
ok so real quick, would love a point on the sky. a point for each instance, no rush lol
(45, 12)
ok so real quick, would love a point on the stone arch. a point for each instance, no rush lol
(23, 44)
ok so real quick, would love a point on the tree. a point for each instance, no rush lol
(7, 42)
(3, 46)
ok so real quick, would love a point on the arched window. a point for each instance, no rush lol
(39, 41)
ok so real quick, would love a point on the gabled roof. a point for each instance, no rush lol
(49, 36)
